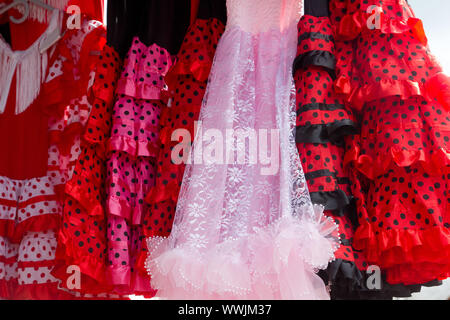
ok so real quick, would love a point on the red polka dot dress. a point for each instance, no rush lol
(31, 203)
(132, 150)
(400, 160)
(323, 122)
(82, 238)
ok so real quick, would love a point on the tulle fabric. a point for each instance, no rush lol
(238, 233)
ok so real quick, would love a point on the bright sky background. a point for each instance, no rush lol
(435, 15)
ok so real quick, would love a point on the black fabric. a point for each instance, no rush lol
(317, 8)
(319, 106)
(325, 133)
(5, 31)
(213, 9)
(316, 58)
(153, 21)
(336, 201)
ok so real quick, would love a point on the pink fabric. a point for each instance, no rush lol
(241, 231)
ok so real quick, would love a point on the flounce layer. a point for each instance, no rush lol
(281, 263)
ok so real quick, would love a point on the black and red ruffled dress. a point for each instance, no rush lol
(400, 160)
(323, 123)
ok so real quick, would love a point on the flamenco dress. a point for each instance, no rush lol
(399, 160)
(244, 230)
(39, 122)
(323, 122)
(132, 146)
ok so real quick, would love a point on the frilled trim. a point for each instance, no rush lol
(93, 206)
(433, 162)
(324, 133)
(316, 58)
(162, 193)
(335, 201)
(352, 25)
(315, 44)
(133, 147)
(197, 51)
(46, 291)
(438, 87)
(418, 272)
(38, 223)
(144, 70)
(358, 96)
(64, 139)
(388, 248)
(102, 94)
(143, 91)
(88, 265)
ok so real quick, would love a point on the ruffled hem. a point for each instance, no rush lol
(133, 147)
(358, 96)
(316, 58)
(325, 133)
(162, 193)
(282, 264)
(434, 162)
(389, 248)
(89, 266)
(39, 223)
(90, 203)
(11, 290)
(411, 274)
(142, 91)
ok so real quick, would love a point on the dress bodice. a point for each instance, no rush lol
(257, 16)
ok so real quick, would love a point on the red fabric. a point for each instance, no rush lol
(93, 9)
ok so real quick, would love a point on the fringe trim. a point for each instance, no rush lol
(43, 15)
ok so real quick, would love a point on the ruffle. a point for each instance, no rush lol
(315, 44)
(37, 223)
(357, 96)
(335, 201)
(162, 193)
(101, 96)
(89, 266)
(197, 51)
(83, 196)
(438, 87)
(417, 272)
(434, 162)
(48, 291)
(324, 133)
(133, 147)
(281, 267)
(316, 58)
(388, 248)
(144, 70)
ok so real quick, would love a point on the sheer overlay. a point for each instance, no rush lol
(245, 227)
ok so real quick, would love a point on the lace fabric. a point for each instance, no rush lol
(241, 232)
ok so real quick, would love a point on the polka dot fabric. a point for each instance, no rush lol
(187, 84)
(400, 161)
(132, 150)
(82, 239)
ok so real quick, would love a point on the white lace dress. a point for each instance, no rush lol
(245, 227)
